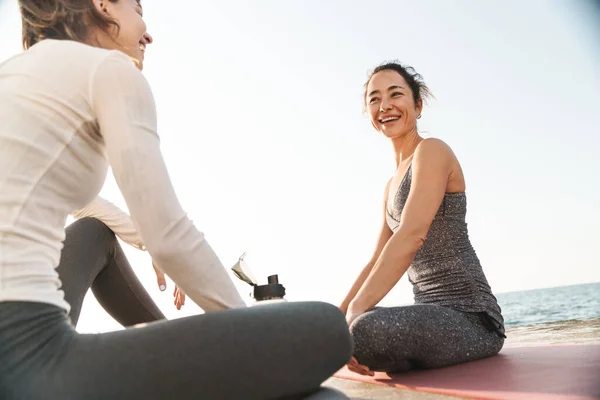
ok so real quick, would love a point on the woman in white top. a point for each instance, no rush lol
(73, 103)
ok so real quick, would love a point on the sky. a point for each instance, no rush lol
(262, 129)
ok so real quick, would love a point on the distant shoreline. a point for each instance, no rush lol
(547, 288)
(574, 331)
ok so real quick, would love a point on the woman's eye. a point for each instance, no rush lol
(373, 100)
(395, 94)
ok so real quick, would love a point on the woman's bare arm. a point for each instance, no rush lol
(384, 235)
(432, 165)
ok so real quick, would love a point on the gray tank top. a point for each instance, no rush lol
(446, 270)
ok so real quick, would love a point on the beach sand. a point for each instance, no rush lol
(575, 331)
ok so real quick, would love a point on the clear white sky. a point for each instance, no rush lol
(262, 129)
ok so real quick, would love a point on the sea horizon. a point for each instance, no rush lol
(553, 304)
(547, 287)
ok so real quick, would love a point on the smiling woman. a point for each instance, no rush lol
(455, 317)
(77, 21)
(71, 105)
(110, 24)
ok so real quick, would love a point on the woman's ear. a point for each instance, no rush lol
(100, 6)
(419, 107)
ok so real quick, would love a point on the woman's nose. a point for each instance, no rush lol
(385, 105)
(148, 38)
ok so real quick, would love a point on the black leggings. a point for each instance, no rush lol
(278, 351)
(93, 258)
(423, 336)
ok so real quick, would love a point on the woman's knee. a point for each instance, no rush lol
(371, 331)
(89, 227)
(496, 346)
(327, 327)
(372, 344)
(365, 340)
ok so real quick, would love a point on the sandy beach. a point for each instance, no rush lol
(574, 331)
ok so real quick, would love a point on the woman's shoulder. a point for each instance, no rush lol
(434, 157)
(75, 54)
(432, 145)
(433, 148)
(59, 46)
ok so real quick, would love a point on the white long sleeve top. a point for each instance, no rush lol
(67, 112)
(113, 217)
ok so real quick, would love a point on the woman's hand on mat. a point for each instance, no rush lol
(354, 366)
(351, 314)
(179, 297)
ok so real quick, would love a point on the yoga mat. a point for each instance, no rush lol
(545, 372)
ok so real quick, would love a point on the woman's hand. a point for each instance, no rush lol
(354, 366)
(344, 307)
(351, 316)
(179, 297)
(352, 313)
(162, 285)
(160, 278)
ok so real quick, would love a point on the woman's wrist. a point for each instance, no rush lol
(356, 307)
(344, 306)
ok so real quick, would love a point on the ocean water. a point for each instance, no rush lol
(562, 303)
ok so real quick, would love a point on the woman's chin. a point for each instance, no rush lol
(139, 63)
(398, 133)
(391, 134)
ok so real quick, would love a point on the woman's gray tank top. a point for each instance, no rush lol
(446, 270)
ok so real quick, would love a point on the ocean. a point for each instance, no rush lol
(564, 303)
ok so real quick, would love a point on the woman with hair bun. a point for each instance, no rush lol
(455, 318)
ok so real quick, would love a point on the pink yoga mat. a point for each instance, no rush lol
(546, 372)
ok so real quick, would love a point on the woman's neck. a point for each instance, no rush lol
(405, 145)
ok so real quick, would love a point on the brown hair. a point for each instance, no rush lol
(60, 19)
(419, 89)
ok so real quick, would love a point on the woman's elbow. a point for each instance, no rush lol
(412, 240)
(166, 253)
(416, 241)
(161, 255)
(174, 244)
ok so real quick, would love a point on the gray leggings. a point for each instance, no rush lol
(423, 336)
(93, 258)
(279, 351)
